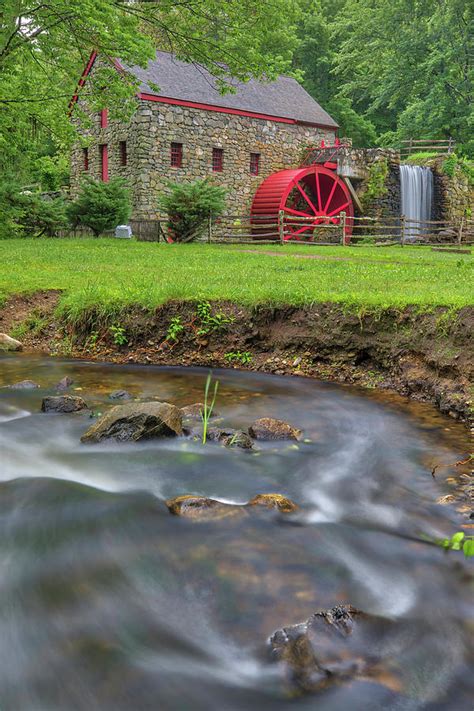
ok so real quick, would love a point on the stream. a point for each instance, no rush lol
(109, 602)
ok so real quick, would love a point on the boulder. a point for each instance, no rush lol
(203, 509)
(133, 422)
(64, 383)
(120, 395)
(229, 437)
(7, 343)
(239, 439)
(63, 403)
(274, 501)
(24, 385)
(218, 434)
(267, 428)
(333, 646)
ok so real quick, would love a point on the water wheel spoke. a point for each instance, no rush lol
(303, 193)
(297, 212)
(328, 201)
(318, 190)
(340, 208)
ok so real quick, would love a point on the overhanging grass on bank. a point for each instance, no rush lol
(110, 274)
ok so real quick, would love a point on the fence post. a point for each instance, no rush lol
(343, 228)
(281, 226)
(402, 230)
(461, 225)
(209, 229)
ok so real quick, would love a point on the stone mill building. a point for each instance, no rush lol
(184, 129)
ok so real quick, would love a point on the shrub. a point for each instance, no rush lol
(189, 206)
(28, 214)
(43, 217)
(454, 162)
(101, 205)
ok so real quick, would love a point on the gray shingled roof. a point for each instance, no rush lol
(177, 80)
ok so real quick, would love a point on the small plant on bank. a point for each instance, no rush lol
(118, 335)
(244, 357)
(101, 205)
(174, 329)
(189, 206)
(91, 342)
(458, 542)
(210, 322)
(206, 413)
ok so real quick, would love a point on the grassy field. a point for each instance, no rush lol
(110, 274)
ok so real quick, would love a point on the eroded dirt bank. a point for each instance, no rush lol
(426, 356)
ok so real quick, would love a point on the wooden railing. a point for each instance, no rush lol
(290, 230)
(427, 145)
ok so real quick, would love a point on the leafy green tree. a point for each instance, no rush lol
(391, 69)
(189, 206)
(408, 66)
(100, 205)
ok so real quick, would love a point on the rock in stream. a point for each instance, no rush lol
(331, 647)
(63, 403)
(268, 428)
(133, 422)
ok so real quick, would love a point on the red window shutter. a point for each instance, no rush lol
(254, 163)
(176, 156)
(85, 157)
(104, 162)
(104, 118)
(217, 160)
(123, 153)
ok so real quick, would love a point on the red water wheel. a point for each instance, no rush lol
(314, 192)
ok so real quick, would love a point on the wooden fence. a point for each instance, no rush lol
(289, 229)
(427, 145)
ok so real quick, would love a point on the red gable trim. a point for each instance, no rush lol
(211, 107)
(83, 78)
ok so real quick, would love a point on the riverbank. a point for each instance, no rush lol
(424, 355)
(392, 318)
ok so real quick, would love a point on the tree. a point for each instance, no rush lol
(189, 206)
(100, 205)
(391, 69)
(408, 66)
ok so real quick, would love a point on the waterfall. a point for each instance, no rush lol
(416, 185)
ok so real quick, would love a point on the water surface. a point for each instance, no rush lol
(109, 602)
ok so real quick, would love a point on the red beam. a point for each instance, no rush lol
(83, 78)
(211, 107)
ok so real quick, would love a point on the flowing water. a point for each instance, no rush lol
(416, 184)
(108, 602)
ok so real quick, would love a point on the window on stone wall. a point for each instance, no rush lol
(254, 163)
(123, 152)
(85, 159)
(217, 160)
(176, 156)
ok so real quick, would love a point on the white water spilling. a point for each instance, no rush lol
(416, 185)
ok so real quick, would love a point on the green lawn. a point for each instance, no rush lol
(112, 273)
